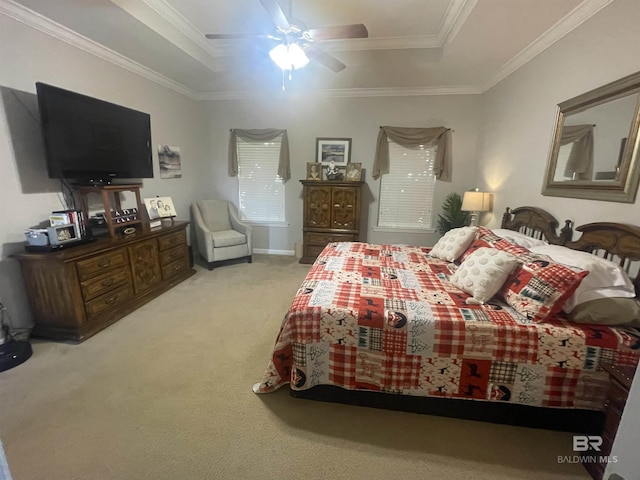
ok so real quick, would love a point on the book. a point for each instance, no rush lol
(155, 223)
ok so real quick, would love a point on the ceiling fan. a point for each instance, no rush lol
(296, 42)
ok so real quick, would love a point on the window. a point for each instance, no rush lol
(406, 192)
(260, 189)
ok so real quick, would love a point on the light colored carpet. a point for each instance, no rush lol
(165, 393)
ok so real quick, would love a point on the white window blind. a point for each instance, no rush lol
(406, 192)
(261, 190)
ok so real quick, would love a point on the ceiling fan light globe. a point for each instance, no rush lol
(288, 57)
(297, 56)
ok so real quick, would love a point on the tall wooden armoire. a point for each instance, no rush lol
(331, 214)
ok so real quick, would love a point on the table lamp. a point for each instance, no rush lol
(476, 202)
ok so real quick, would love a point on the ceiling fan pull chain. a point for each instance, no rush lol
(283, 81)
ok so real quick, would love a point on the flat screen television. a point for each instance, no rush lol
(92, 141)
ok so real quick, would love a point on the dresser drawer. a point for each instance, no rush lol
(175, 268)
(168, 241)
(324, 238)
(108, 301)
(176, 253)
(105, 283)
(101, 263)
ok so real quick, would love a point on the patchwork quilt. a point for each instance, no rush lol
(385, 318)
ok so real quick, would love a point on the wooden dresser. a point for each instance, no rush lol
(331, 214)
(77, 291)
(620, 379)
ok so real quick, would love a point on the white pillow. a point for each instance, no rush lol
(483, 272)
(518, 238)
(606, 279)
(454, 243)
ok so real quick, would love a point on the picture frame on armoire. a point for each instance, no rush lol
(314, 171)
(337, 150)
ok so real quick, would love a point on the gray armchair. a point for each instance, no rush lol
(218, 232)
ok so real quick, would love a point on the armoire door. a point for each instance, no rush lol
(345, 208)
(318, 205)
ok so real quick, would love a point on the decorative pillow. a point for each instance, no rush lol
(606, 279)
(483, 272)
(538, 287)
(486, 238)
(608, 311)
(519, 238)
(454, 243)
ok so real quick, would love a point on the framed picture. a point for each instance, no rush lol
(337, 150)
(314, 171)
(170, 163)
(61, 234)
(354, 172)
(159, 207)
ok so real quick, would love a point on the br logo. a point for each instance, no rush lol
(583, 443)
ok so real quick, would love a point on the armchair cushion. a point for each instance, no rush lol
(228, 238)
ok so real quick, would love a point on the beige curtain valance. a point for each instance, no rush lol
(413, 138)
(260, 135)
(580, 163)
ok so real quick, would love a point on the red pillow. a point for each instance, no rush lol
(538, 287)
(486, 238)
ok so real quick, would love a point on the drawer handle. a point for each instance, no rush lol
(106, 283)
(104, 263)
(112, 300)
(178, 266)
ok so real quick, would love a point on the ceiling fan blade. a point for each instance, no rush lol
(324, 58)
(231, 36)
(357, 30)
(277, 15)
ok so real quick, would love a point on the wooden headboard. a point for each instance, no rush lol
(617, 242)
(537, 223)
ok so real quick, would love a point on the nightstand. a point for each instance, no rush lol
(620, 378)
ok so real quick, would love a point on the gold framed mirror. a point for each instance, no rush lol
(594, 151)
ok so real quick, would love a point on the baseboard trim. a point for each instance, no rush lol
(269, 251)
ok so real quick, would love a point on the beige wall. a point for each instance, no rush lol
(306, 118)
(518, 114)
(517, 123)
(27, 195)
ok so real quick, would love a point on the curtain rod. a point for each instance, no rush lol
(450, 129)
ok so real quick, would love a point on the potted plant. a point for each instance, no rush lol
(453, 216)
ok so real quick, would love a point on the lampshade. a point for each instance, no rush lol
(289, 57)
(476, 202)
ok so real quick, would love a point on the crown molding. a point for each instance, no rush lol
(571, 21)
(461, 14)
(580, 14)
(64, 34)
(171, 15)
(455, 15)
(350, 93)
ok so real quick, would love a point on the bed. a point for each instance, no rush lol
(383, 326)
